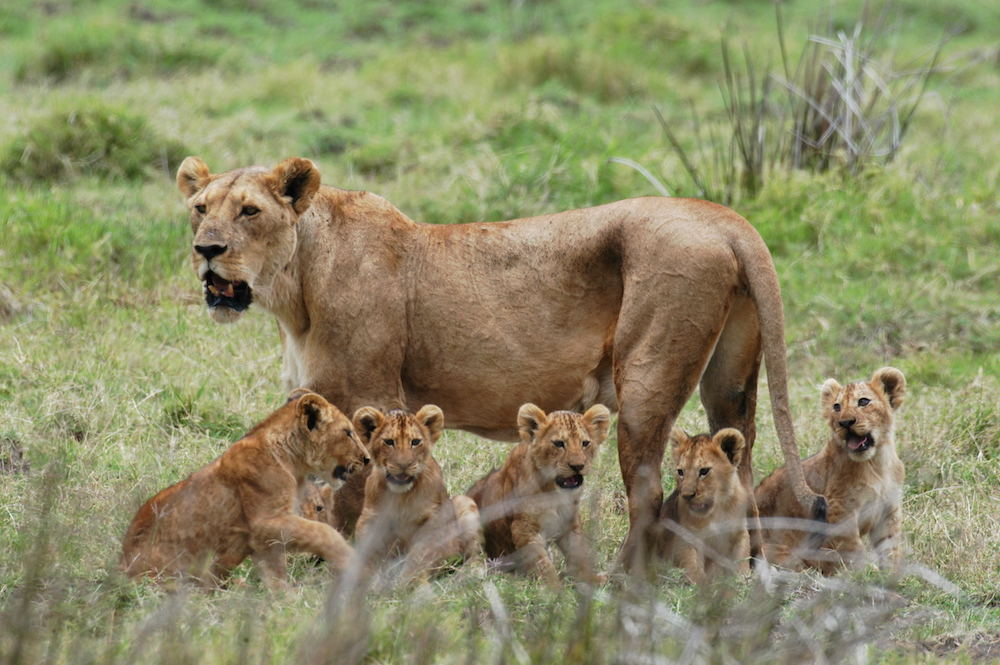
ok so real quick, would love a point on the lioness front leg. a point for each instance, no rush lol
(574, 548)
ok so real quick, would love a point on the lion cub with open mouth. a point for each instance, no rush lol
(244, 503)
(704, 521)
(535, 497)
(859, 473)
(407, 512)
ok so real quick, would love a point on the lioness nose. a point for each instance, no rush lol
(210, 251)
(847, 423)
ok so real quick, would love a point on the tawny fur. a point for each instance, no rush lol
(316, 501)
(534, 498)
(858, 471)
(407, 512)
(243, 504)
(704, 521)
(627, 304)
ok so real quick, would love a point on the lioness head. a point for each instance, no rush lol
(706, 467)
(563, 443)
(326, 438)
(400, 441)
(244, 228)
(861, 414)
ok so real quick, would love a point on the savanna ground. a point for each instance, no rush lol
(115, 383)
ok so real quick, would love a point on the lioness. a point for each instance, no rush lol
(407, 511)
(534, 498)
(243, 503)
(630, 304)
(859, 473)
(704, 520)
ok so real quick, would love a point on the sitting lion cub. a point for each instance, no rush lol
(859, 473)
(407, 512)
(535, 497)
(704, 520)
(243, 504)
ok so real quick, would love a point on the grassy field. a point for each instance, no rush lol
(114, 382)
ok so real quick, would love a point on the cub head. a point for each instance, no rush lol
(316, 501)
(326, 438)
(861, 414)
(563, 443)
(400, 441)
(244, 228)
(706, 467)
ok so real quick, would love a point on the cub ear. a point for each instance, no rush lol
(530, 419)
(828, 394)
(192, 176)
(732, 443)
(297, 393)
(366, 420)
(598, 420)
(432, 418)
(678, 438)
(893, 385)
(298, 180)
(311, 410)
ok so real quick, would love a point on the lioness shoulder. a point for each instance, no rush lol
(858, 471)
(243, 503)
(704, 520)
(534, 497)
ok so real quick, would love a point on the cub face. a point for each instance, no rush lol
(563, 443)
(861, 414)
(329, 445)
(244, 228)
(706, 467)
(400, 442)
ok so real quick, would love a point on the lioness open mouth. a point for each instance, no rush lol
(223, 293)
(570, 482)
(859, 443)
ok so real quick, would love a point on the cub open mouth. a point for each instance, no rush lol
(223, 293)
(699, 507)
(402, 479)
(340, 473)
(859, 443)
(570, 482)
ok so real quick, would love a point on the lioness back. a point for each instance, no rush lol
(534, 497)
(859, 472)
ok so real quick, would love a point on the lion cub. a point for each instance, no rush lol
(407, 512)
(709, 504)
(535, 497)
(243, 504)
(859, 473)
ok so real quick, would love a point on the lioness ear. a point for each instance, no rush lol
(297, 393)
(432, 418)
(732, 443)
(366, 420)
(893, 385)
(530, 419)
(297, 179)
(598, 419)
(311, 409)
(828, 394)
(192, 176)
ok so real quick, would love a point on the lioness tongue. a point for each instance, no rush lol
(223, 286)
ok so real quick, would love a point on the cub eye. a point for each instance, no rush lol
(416, 442)
(201, 208)
(389, 442)
(319, 509)
(704, 471)
(585, 444)
(349, 433)
(864, 401)
(559, 444)
(836, 408)
(680, 473)
(249, 211)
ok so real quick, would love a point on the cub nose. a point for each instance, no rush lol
(210, 251)
(846, 424)
(365, 458)
(577, 467)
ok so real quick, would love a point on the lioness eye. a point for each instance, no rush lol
(585, 444)
(680, 472)
(249, 211)
(704, 472)
(389, 442)
(863, 401)
(201, 208)
(415, 442)
(559, 444)
(836, 408)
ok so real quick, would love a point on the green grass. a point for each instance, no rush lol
(115, 383)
